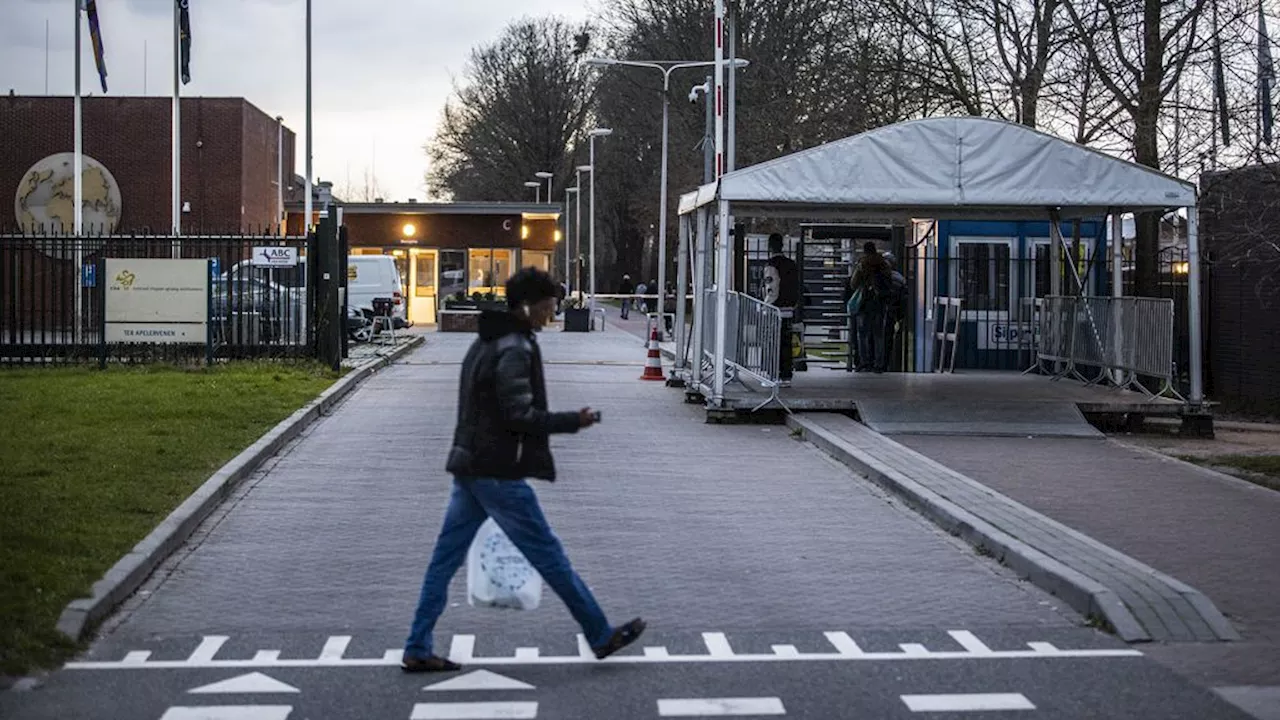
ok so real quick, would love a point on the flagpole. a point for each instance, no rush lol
(76, 169)
(306, 213)
(177, 134)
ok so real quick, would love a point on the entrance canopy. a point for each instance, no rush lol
(954, 168)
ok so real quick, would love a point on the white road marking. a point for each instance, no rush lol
(254, 682)
(967, 702)
(717, 644)
(843, 643)
(969, 642)
(462, 647)
(335, 647)
(475, 711)
(209, 646)
(229, 712)
(480, 680)
(698, 707)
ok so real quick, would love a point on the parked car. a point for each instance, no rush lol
(368, 277)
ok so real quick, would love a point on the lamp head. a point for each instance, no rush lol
(531, 183)
(600, 62)
(544, 175)
(584, 168)
(601, 132)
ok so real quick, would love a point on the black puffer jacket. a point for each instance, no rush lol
(504, 427)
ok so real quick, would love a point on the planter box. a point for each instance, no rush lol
(459, 321)
(577, 320)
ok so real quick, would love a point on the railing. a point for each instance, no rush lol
(1129, 336)
(51, 297)
(752, 346)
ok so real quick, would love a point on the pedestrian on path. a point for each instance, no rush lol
(502, 437)
(641, 290)
(626, 289)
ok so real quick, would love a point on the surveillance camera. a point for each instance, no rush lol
(693, 94)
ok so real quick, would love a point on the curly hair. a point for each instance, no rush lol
(531, 285)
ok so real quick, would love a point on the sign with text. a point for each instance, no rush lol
(156, 300)
(275, 256)
(998, 335)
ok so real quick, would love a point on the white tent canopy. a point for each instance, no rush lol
(946, 167)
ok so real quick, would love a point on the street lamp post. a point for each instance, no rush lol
(567, 192)
(537, 190)
(666, 67)
(546, 176)
(598, 132)
(577, 227)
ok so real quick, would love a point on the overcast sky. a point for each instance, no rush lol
(382, 68)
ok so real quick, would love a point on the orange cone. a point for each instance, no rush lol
(653, 363)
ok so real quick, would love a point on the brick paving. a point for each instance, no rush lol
(1218, 534)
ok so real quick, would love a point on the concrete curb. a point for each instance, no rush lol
(134, 568)
(1086, 595)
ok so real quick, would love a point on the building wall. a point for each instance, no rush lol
(228, 156)
(1239, 216)
(446, 231)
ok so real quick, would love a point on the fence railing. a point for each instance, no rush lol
(752, 346)
(1121, 338)
(51, 298)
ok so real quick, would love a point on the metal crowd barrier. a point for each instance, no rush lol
(752, 347)
(1128, 336)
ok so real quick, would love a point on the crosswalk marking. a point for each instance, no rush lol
(718, 650)
(698, 707)
(717, 644)
(335, 647)
(229, 712)
(967, 702)
(209, 646)
(475, 711)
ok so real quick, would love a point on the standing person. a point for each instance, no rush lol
(669, 307)
(895, 306)
(641, 291)
(871, 287)
(782, 290)
(626, 288)
(502, 437)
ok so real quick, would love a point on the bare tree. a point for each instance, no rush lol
(519, 110)
(367, 189)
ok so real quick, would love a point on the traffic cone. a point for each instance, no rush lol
(653, 363)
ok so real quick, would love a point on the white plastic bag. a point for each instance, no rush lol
(498, 575)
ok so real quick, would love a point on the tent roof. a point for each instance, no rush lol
(956, 167)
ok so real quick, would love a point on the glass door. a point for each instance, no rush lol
(422, 287)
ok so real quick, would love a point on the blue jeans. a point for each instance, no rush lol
(514, 507)
(626, 307)
(872, 352)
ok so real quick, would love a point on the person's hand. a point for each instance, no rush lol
(586, 417)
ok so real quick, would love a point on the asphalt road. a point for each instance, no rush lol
(775, 583)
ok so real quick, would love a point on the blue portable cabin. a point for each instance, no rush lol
(997, 269)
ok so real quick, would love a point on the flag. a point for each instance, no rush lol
(1220, 81)
(184, 35)
(95, 34)
(1266, 78)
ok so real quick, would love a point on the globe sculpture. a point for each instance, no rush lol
(45, 203)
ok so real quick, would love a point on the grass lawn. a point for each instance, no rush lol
(91, 461)
(1260, 469)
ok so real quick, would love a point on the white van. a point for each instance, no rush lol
(375, 276)
(368, 277)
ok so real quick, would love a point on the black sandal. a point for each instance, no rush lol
(433, 663)
(621, 638)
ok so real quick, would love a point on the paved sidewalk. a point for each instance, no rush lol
(1218, 534)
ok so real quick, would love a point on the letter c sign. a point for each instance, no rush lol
(506, 224)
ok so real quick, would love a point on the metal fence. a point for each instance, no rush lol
(1123, 339)
(51, 298)
(752, 345)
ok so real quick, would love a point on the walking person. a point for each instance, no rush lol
(627, 289)
(641, 291)
(870, 287)
(502, 437)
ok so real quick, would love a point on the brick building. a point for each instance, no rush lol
(229, 157)
(1239, 214)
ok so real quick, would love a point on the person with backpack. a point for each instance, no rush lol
(871, 289)
(895, 311)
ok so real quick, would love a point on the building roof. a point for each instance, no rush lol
(527, 209)
(953, 167)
